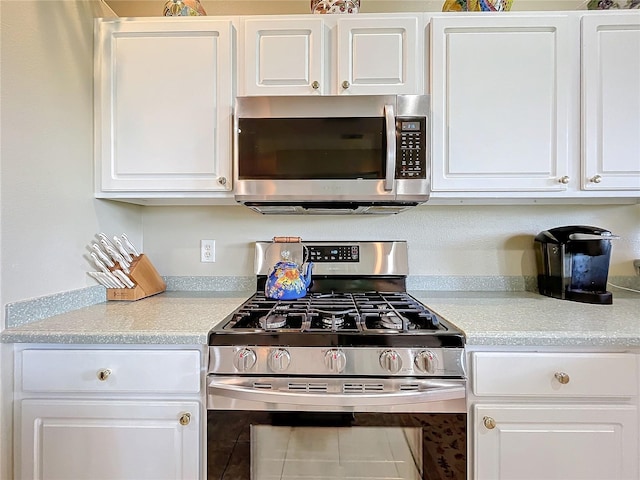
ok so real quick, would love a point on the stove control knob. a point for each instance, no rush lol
(390, 361)
(426, 361)
(279, 359)
(335, 360)
(244, 360)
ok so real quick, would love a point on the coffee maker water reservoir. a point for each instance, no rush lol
(573, 263)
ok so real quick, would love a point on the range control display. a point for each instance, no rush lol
(338, 253)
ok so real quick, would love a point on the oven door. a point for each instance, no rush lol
(260, 429)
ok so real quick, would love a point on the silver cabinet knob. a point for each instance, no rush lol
(390, 361)
(335, 360)
(345, 85)
(222, 180)
(244, 359)
(103, 374)
(279, 360)
(185, 418)
(426, 361)
(562, 377)
(315, 85)
(489, 423)
(564, 179)
(596, 179)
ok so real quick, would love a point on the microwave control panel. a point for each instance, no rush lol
(411, 158)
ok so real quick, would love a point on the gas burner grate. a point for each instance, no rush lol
(336, 312)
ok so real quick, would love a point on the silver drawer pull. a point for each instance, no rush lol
(562, 377)
(103, 374)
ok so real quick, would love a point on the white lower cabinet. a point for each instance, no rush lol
(555, 442)
(136, 440)
(553, 416)
(109, 413)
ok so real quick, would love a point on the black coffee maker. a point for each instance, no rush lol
(573, 263)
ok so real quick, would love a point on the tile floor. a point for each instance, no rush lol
(328, 453)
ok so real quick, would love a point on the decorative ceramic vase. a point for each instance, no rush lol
(477, 5)
(335, 6)
(183, 8)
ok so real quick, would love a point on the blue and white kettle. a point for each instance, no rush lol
(287, 280)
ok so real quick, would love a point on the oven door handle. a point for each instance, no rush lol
(441, 393)
(390, 124)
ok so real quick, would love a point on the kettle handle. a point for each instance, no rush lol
(287, 239)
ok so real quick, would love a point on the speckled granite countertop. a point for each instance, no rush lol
(486, 318)
(180, 318)
(530, 319)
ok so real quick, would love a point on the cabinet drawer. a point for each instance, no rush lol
(554, 374)
(145, 371)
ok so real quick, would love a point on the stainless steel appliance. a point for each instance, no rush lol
(573, 263)
(357, 379)
(331, 154)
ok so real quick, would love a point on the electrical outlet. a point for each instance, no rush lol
(207, 251)
(636, 265)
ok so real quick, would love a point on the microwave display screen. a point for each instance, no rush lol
(311, 148)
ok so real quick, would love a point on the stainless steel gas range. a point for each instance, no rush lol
(357, 357)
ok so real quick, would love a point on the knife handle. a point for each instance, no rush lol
(122, 250)
(129, 245)
(118, 258)
(105, 240)
(124, 278)
(102, 256)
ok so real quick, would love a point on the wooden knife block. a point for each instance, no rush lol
(146, 278)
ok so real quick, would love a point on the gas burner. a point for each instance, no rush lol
(393, 321)
(271, 321)
(333, 321)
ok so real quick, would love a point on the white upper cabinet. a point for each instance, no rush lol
(332, 55)
(501, 100)
(379, 55)
(163, 107)
(611, 101)
(283, 56)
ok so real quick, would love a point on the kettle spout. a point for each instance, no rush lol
(306, 276)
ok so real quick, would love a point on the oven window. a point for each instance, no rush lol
(338, 453)
(311, 148)
(307, 445)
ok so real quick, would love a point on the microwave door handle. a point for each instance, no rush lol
(390, 124)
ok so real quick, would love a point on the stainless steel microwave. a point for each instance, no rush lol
(331, 154)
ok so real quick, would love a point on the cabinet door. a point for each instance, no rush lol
(379, 56)
(163, 106)
(284, 57)
(611, 101)
(555, 442)
(502, 89)
(137, 440)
